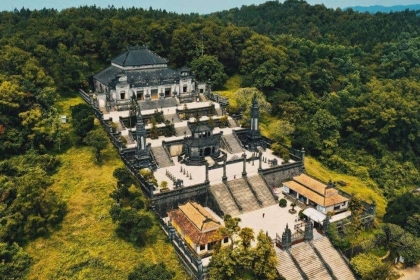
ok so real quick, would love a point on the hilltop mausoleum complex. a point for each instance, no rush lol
(205, 165)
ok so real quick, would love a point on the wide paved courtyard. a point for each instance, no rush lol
(272, 219)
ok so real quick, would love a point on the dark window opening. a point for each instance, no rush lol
(167, 92)
(184, 88)
(122, 95)
(139, 95)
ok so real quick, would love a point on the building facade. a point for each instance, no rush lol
(141, 74)
(324, 198)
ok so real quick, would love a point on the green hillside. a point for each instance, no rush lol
(341, 84)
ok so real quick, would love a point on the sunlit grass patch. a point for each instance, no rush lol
(231, 86)
(365, 189)
(85, 245)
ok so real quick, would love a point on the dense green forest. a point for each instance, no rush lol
(345, 86)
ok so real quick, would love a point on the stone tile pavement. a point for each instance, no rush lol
(272, 219)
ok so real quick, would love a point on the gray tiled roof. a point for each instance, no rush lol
(138, 57)
(108, 75)
(139, 78)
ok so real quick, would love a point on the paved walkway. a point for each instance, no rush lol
(411, 273)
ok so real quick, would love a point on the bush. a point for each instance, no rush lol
(82, 119)
(148, 271)
(281, 151)
(283, 203)
(14, 261)
(370, 267)
(301, 215)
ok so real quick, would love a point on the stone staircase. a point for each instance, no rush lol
(235, 146)
(203, 97)
(232, 123)
(179, 131)
(309, 262)
(332, 257)
(286, 267)
(161, 157)
(225, 200)
(169, 117)
(262, 190)
(219, 112)
(243, 195)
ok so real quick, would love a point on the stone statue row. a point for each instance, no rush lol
(185, 172)
(170, 176)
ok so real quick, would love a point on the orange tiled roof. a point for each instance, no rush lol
(311, 183)
(332, 197)
(188, 218)
(199, 216)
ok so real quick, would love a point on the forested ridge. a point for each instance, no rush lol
(342, 84)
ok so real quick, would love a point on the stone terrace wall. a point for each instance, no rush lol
(276, 175)
(163, 202)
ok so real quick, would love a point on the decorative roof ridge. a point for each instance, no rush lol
(144, 47)
(206, 220)
(307, 186)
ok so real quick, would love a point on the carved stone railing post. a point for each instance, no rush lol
(207, 172)
(244, 167)
(326, 224)
(224, 178)
(309, 231)
(286, 238)
(199, 269)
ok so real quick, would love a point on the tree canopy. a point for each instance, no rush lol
(341, 84)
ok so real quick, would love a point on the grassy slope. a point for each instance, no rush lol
(85, 246)
(367, 190)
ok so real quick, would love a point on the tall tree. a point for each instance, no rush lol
(207, 68)
(98, 140)
(265, 258)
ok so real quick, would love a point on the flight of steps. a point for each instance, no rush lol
(175, 117)
(179, 131)
(309, 262)
(262, 190)
(233, 142)
(232, 123)
(203, 97)
(243, 195)
(339, 267)
(286, 267)
(219, 112)
(161, 157)
(225, 200)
